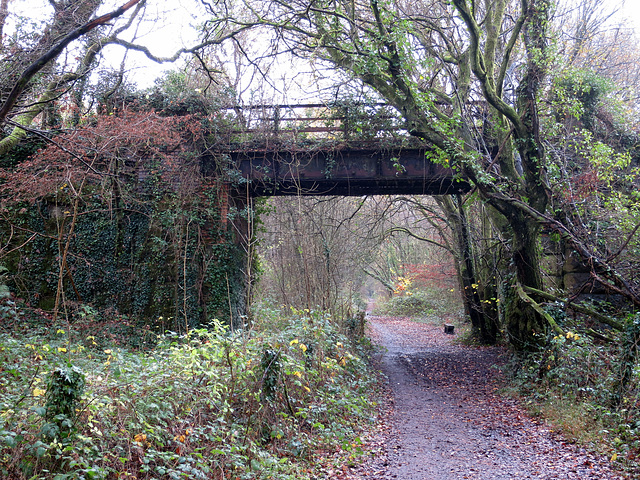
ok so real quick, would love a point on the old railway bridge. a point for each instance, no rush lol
(316, 149)
(320, 150)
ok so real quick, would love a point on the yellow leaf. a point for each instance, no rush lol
(108, 352)
(38, 392)
(614, 457)
(293, 342)
(303, 347)
(297, 373)
(62, 349)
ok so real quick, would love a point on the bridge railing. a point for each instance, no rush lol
(305, 124)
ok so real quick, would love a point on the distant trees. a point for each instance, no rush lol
(314, 251)
(336, 253)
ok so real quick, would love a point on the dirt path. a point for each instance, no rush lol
(449, 422)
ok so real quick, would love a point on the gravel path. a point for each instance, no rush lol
(448, 422)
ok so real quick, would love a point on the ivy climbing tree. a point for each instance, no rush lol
(469, 78)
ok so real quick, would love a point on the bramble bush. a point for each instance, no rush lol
(264, 403)
(576, 383)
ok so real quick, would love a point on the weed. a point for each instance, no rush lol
(208, 405)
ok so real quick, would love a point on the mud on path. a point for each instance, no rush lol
(448, 421)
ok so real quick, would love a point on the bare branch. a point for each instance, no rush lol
(193, 49)
(65, 150)
(36, 66)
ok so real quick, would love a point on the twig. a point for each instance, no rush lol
(64, 149)
(39, 64)
(611, 257)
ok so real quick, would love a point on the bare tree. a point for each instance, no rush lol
(22, 99)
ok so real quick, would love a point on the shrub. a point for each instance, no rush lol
(211, 404)
(416, 304)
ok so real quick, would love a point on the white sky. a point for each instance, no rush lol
(631, 12)
(171, 36)
(175, 29)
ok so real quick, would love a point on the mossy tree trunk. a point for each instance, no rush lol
(483, 325)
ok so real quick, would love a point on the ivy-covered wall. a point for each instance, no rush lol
(151, 261)
(124, 217)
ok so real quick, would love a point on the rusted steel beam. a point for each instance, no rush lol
(344, 172)
(330, 129)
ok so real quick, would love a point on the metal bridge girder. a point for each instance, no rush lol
(345, 172)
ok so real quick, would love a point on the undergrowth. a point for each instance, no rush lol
(574, 384)
(420, 304)
(272, 402)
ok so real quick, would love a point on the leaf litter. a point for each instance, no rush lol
(445, 418)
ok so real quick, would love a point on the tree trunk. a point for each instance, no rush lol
(457, 217)
(526, 329)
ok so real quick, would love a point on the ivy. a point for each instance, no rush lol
(138, 244)
(64, 390)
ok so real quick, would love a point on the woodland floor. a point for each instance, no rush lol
(447, 420)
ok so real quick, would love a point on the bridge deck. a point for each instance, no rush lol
(328, 150)
(345, 172)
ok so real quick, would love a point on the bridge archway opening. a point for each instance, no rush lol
(345, 253)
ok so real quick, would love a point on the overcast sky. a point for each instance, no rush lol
(167, 27)
(631, 10)
(174, 34)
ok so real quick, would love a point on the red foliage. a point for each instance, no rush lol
(131, 144)
(442, 275)
(584, 185)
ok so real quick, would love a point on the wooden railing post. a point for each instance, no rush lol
(276, 120)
